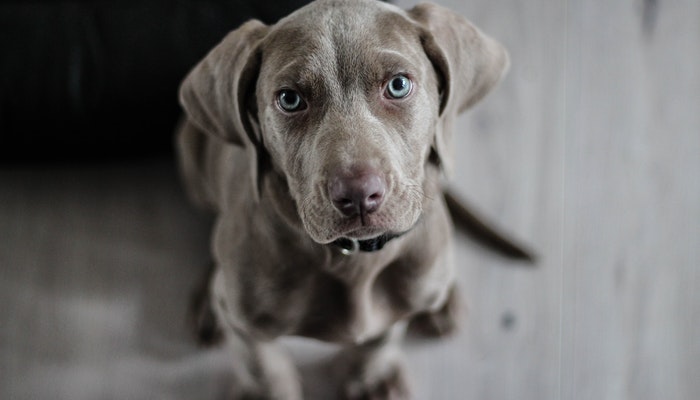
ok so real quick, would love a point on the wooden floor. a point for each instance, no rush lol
(589, 151)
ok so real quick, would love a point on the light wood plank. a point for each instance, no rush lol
(633, 198)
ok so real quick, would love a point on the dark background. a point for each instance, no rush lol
(97, 80)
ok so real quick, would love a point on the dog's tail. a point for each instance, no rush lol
(483, 232)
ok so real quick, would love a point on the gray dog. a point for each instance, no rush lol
(319, 142)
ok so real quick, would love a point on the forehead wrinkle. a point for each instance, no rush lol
(301, 56)
(351, 50)
(393, 61)
(372, 46)
(299, 73)
(392, 54)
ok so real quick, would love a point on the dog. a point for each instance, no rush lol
(320, 143)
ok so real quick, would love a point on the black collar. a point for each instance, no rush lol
(351, 246)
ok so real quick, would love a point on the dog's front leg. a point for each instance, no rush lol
(374, 369)
(261, 369)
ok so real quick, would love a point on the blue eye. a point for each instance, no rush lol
(290, 101)
(399, 87)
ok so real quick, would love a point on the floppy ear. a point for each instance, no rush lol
(469, 64)
(217, 93)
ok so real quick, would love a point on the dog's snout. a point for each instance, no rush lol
(357, 194)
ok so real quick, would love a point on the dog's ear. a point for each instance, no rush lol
(468, 62)
(218, 94)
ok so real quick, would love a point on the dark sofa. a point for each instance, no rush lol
(97, 80)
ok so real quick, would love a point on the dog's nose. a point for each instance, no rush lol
(357, 194)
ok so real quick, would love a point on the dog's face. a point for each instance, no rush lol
(347, 99)
(347, 111)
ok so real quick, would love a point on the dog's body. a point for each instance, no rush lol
(323, 135)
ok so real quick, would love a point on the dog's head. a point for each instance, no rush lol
(348, 101)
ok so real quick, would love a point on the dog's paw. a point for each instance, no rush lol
(435, 324)
(269, 373)
(258, 391)
(371, 375)
(390, 385)
(443, 322)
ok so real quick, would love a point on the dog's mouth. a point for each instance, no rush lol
(326, 224)
(370, 229)
(361, 229)
(349, 246)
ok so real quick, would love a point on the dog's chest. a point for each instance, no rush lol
(343, 305)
